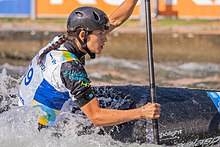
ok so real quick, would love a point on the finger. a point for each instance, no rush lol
(156, 104)
(157, 116)
(149, 103)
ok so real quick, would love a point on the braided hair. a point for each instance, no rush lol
(54, 46)
(69, 36)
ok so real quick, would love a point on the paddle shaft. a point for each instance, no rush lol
(151, 67)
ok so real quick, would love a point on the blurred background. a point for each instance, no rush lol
(186, 45)
(61, 8)
(186, 40)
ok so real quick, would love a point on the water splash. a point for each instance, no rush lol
(8, 91)
(149, 132)
(18, 125)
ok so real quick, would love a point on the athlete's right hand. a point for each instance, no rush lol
(150, 110)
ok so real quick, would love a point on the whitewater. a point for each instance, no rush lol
(18, 125)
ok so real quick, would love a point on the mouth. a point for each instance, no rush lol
(102, 46)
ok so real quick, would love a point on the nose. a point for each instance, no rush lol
(105, 38)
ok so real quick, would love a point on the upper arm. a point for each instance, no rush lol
(75, 79)
(121, 14)
(114, 23)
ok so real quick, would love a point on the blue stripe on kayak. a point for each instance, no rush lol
(215, 96)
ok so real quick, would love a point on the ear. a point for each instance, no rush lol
(82, 35)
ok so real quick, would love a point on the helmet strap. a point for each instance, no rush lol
(84, 45)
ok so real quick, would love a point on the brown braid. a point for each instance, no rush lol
(54, 46)
(68, 36)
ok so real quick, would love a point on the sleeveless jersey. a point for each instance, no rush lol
(42, 82)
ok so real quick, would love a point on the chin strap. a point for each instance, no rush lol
(84, 45)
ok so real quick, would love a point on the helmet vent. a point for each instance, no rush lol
(96, 16)
(79, 14)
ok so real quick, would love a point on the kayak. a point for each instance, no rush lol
(188, 116)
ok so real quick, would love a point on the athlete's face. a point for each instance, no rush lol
(96, 41)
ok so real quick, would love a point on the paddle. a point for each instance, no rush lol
(151, 67)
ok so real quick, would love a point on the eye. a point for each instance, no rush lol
(101, 33)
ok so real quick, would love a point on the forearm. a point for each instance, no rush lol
(122, 13)
(110, 117)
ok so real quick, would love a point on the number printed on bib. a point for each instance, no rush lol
(28, 76)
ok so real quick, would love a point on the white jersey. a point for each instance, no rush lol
(43, 80)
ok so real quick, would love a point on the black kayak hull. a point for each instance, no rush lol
(187, 115)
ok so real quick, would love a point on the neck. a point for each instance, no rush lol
(79, 46)
(75, 48)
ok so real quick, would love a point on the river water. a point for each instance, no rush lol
(18, 125)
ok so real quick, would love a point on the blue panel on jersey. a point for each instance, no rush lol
(46, 94)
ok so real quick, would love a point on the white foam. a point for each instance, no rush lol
(109, 61)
